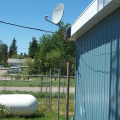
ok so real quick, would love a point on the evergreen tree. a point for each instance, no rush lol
(33, 48)
(13, 46)
(25, 55)
(0, 51)
(4, 54)
(13, 49)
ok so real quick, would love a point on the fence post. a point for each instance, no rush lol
(67, 97)
(41, 85)
(46, 92)
(5, 77)
(63, 86)
(50, 89)
(58, 92)
(4, 84)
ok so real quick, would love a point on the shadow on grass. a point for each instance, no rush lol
(37, 115)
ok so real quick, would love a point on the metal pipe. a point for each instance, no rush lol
(50, 89)
(63, 86)
(41, 86)
(4, 86)
(58, 92)
(46, 92)
(67, 97)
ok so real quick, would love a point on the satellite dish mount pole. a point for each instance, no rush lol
(58, 24)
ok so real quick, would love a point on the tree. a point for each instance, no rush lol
(13, 49)
(0, 51)
(33, 48)
(55, 52)
(25, 55)
(21, 56)
(9, 53)
(3, 53)
(45, 46)
(31, 67)
(53, 59)
(67, 49)
(13, 46)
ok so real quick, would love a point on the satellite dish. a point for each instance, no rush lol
(58, 13)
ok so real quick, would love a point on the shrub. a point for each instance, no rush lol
(3, 111)
(18, 77)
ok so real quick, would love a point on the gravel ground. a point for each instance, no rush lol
(2, 72)
(37, 89)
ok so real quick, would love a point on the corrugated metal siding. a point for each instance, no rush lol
(97, 94)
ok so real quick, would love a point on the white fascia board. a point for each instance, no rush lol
(90, 11)
(85, 23)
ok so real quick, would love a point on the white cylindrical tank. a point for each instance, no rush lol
(19, 104)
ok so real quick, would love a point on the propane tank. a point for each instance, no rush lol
(19, 104)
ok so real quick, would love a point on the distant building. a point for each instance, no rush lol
(1, 66)
(15, 63)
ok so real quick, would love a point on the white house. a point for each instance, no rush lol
(1, 66)
(15, 63)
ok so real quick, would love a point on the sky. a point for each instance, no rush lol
(31, 13)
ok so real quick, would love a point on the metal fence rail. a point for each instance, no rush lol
(35, 83)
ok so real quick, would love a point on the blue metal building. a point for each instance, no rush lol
(97, 39)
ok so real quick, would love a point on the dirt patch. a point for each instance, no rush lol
(2, 72)
(64, 113)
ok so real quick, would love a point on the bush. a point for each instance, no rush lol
(17, 77)
(31, 67)
(3, 111)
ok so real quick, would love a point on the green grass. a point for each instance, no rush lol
(63, 82)
(20, 84)
(43, 112)
(38, 95)
(36, 82)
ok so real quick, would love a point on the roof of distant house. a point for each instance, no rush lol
(16, 60)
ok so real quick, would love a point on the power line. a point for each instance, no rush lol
(22, 48)
(26, 27)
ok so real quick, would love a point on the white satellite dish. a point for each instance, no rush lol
(58, 13)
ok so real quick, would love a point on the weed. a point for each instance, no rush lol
(3, 111)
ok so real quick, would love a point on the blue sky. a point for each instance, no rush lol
(31, 13)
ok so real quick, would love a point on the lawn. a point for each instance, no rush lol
(43, 112)
(35, 81)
